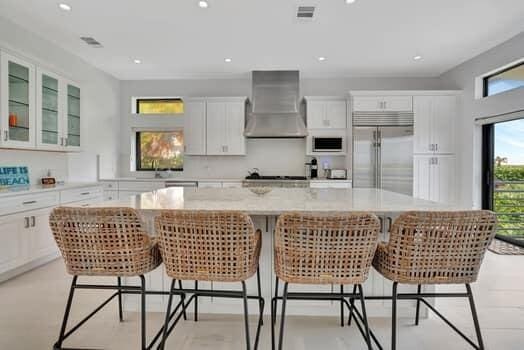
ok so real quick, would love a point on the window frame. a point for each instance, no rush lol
(138, 151)
(136, 104)
(486, 78)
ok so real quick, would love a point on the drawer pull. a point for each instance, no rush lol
(26, 221)
(33, 221)
(28, 202)
(85, 193)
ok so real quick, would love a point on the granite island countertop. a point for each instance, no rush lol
(277, 201)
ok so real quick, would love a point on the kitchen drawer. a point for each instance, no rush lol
(15, 204)
(110, 185)
(209, 184)
(140, 186)
(232, 184)
(80, 194)
(330, 184)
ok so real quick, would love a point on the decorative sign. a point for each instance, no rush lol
(14, 176)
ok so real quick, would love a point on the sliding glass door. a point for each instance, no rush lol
(503, 168)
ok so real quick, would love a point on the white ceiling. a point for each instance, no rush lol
(177, 39)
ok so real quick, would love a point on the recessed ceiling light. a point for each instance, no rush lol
(417, 57)
(350, 1)
(137, 61)
(228, 60)
(65, 7)
(321, 58)
(203, 4)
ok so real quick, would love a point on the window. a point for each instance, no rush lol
(163, 150)
(505, 80)
(159, 106)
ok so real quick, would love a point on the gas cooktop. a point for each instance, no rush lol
(279, 178)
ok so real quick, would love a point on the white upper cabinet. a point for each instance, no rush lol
(39, 109)
(382, 103)
(73, 134)
(17, 102)
(49, 111)
(225, 128)
(435, 124)
(326, 113)
(195, 127)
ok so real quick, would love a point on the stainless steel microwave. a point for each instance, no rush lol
(328, 144)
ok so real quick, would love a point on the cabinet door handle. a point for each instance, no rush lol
(225, 149)
(26, 222)
(6, 135)
(436, 161)
(28, 202)
(385, 104)
(84, 193)
(436, 147)
(33, 221)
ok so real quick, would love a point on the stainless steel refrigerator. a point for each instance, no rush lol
(383, 157)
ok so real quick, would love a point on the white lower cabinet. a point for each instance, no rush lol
(11, 249)
(434, 178)
(26, 240)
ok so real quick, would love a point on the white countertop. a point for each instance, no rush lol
(22, 190)
(277, 201)
(152, 179)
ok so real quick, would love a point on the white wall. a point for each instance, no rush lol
(100, 108)
(470, 143)
(270, 156)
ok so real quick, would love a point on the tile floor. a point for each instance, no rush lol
(31, 308)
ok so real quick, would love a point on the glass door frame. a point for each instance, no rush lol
(488, 179)
(39, 102)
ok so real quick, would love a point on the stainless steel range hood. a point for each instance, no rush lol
(275, 106)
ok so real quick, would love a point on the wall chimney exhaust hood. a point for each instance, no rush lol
(275, 106)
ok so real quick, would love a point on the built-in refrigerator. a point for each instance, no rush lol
(383, 155)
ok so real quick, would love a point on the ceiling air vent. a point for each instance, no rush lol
(305, 12)
(91, 41)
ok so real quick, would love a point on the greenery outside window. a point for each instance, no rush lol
(159, 106)
(162, 150)
(508, 79)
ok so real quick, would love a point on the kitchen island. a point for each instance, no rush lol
(264, 210)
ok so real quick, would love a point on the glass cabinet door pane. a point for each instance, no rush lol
(73, 116)
(49, 110)
(18, 102)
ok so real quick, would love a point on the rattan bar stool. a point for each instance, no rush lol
(104, 242)
(212, 246)
(436, 248)
(334, 249)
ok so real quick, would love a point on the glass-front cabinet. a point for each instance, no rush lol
(73, 116)
(49, 111)
(17, 102)
(39, 109)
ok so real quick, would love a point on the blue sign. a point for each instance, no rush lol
(14, 176)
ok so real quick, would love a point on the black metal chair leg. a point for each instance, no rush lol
(183, 297)
(365, 316)
(58, 344)
(120, 311)
(274, 303)
(274, 314)
(351, 305)
(475, 317)
(394, 317)
(342, 320)
(246, 315)
(282, 318)
(195, 315)
(143, 311)
(261, 311)
(162, 344)
(419, 290)
(259, 289)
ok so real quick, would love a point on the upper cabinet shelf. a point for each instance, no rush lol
(38, 108)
